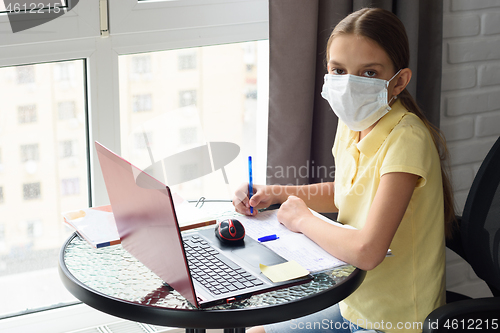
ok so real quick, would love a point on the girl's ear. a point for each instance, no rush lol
(402, 81)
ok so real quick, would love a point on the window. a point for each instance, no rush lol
(68, 148)
(29, 152)
(190, 171)
(187, 61)
(188, 135)
(141, 64)
(25, 74)
(251, 94)
(187, 98)
(70, 186)
(66, 68)
(64, 71)
(141, 103)
(66, 110)
(143, 140)
(40, 179)
(27, 114)
(34, 229)
(31, 191)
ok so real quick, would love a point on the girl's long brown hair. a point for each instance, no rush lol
(388, 31)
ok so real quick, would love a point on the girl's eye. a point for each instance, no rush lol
(370, 73)
(338, 71)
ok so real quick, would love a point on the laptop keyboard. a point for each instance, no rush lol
(214, 271)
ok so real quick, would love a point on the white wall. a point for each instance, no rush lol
(470, 116)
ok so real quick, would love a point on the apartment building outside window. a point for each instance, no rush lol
(43, 157)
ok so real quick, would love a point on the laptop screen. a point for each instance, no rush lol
(146, 221)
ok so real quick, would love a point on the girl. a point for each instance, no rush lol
(389, 184)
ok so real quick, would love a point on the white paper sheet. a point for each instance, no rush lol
(290, 245)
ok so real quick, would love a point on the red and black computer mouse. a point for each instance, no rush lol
(230, 231)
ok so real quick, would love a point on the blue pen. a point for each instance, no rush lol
(250, 181)
(267, 238)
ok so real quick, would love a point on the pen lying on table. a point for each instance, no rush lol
(267, 238)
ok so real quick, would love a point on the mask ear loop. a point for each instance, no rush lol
(394, 76)
(387, 86)
(395, 97)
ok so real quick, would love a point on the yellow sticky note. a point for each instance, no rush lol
(283, 272)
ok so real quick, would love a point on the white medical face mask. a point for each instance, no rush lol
(357, 100)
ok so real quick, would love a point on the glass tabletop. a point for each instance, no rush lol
(112, 271)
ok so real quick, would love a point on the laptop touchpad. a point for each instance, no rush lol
(254, 253)
(250, 253)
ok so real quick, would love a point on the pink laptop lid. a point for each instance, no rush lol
(146, 221)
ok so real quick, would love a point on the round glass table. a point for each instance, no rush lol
(111, 280)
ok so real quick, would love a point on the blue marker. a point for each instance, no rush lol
(267, 238)
(250, 181)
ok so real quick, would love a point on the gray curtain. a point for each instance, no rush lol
(301, 124)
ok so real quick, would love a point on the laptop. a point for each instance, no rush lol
(196, 264)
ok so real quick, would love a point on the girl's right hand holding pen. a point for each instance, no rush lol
(262, 198)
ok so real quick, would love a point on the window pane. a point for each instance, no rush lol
(27, 113)
(174, 103)
(43, 172)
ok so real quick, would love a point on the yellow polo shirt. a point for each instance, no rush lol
(400, 292)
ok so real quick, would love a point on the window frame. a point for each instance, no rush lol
(135, 27)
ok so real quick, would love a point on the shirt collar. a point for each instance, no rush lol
(374, 139)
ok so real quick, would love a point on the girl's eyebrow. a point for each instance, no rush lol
(372, 64)
(334, 63)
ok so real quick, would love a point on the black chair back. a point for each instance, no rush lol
(480, 225)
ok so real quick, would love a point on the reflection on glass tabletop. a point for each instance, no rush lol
(114, 272)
